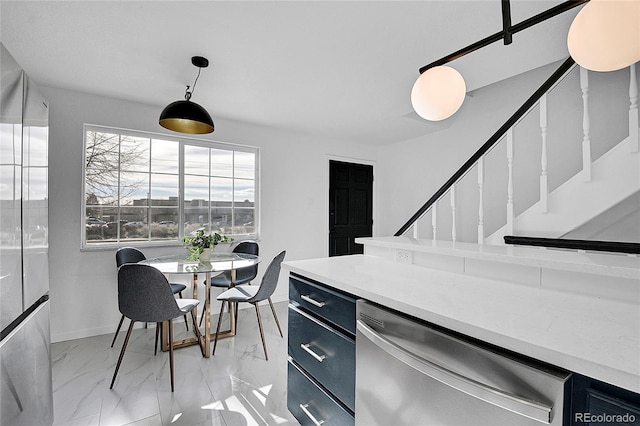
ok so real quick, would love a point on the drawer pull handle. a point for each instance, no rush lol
(303, 407)
(313, 302)
(320, 358)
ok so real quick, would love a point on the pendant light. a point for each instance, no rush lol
(605, 35)
(440, 90)
(186, 116)
(438, 93)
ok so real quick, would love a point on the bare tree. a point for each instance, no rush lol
(106, 156)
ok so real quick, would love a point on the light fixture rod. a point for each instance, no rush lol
(506, 22)
(541, 17)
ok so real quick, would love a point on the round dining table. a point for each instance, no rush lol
(220, 262)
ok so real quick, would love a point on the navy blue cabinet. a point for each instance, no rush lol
(595, 402)
(333, 307)
(321, 348)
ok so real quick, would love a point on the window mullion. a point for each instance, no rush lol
(233, 192)
(210, 201)
(149, 193)
(119, 189)
(181, 212)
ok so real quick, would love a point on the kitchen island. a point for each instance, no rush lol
(577, 311)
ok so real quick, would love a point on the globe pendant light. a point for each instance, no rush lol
(186, 116)
(605, 35)
(438, 93)
(440, 90)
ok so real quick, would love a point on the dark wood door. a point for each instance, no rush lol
(350, 206)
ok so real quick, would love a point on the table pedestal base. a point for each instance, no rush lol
(204, 340)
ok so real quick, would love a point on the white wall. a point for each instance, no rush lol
(294, 188)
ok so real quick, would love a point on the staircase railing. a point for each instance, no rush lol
(506, 133)
(565, 67)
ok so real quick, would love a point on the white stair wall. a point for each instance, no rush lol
(619, 223)
(615, 176)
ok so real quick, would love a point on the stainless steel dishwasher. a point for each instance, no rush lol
(410, 373)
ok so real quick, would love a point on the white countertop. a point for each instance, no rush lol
(591, 334)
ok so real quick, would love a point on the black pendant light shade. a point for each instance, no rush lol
(186, 116)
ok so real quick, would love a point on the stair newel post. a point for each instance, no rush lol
(453, 212)
(586, 124)
(633, 109)
(510, 216)
(481, 200)
(544, 186)
(434, 219)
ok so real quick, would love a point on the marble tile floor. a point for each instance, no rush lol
(237, 386)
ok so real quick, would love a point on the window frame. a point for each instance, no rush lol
(182, 141)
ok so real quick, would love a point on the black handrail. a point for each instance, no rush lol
(497, 136)
(590, 245)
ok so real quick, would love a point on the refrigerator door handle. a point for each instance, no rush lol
(506, 400)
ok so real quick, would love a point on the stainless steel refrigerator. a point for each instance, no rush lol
(25, 362)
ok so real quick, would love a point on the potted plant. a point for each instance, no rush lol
(201, 245)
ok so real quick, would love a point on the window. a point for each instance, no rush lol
(147, 188)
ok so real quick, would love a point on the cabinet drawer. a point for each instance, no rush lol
(311, 405)
(602, 404)
(337, 308)
(328, 356)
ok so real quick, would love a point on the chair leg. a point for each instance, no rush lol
(201, 317)
(124, 347)
(171, 351)
(208, 287)
(203, 312)
(117, 331)
(275, 316)
(194, 318)
(235, 313)
(215, 342)
(264, 344)
(186, 323)
(155, 345)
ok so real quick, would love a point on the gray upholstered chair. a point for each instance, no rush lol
(133, 255)
(253, 295)
(243, 276)
(144, 295)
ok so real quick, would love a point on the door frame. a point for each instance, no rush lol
(374, 200)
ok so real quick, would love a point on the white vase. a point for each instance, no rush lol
(205, 256)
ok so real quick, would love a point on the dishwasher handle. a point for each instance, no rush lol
(517, 404)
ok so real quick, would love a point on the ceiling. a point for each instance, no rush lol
(337, 69)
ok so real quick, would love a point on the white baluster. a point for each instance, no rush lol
(415, 229)
(586, 139)
(453, 213)
(481, 200)
(633, 109)
(510, 217)
(434, 219)
(544, 186)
